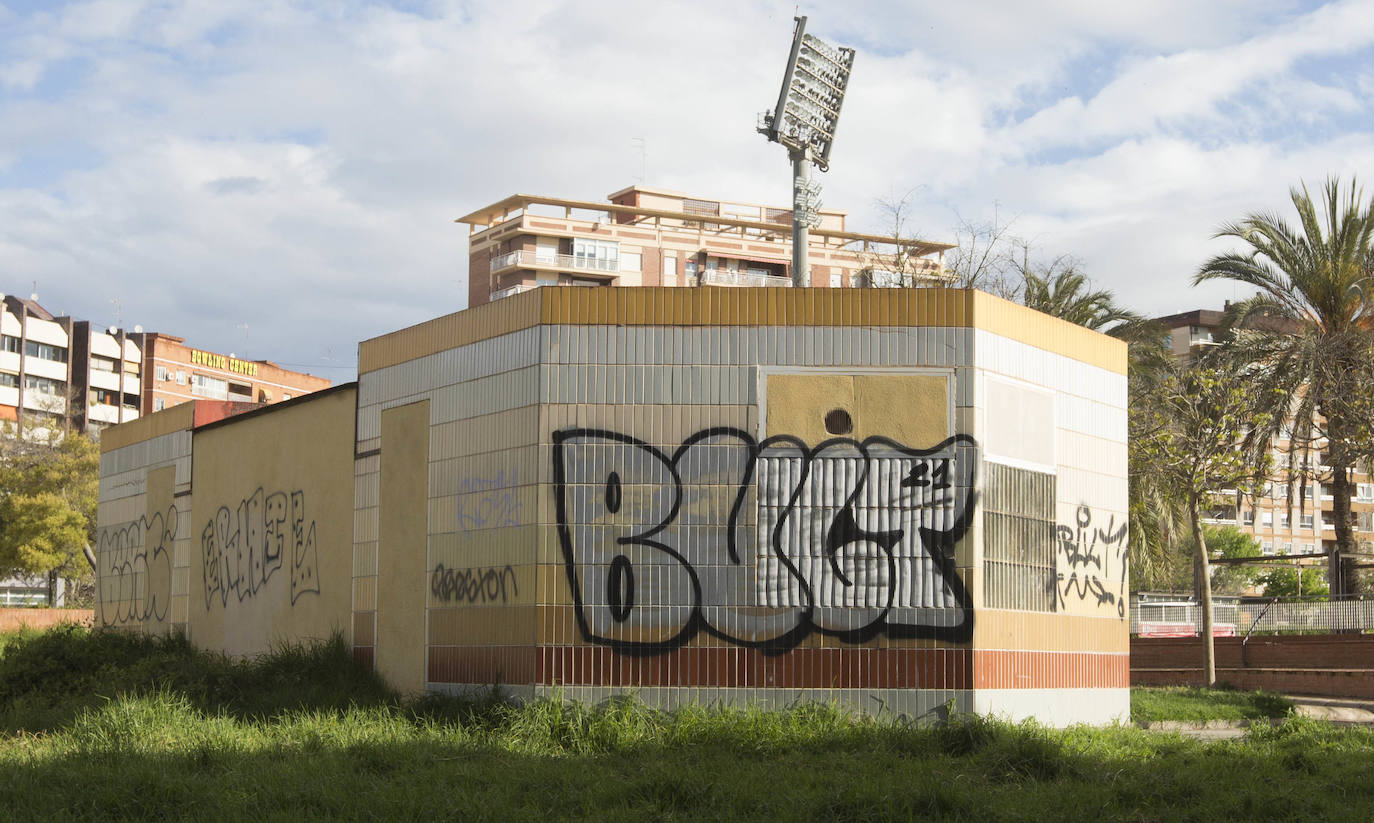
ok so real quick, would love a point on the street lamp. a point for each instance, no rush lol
(804, 123)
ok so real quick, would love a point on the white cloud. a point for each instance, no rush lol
(296, 167)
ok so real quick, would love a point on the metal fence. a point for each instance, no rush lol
(1166, 615)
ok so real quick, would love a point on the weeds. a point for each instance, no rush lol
(136, 728)
(1195, 704)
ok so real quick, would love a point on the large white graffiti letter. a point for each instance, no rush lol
(614, 495)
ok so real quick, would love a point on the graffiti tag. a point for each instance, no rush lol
(472, 585)
(1088, 553)
(762, 543)
(135, 569)
(244, 548)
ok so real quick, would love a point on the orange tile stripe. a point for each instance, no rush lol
(1050, 670)
(717, 667)
(809, 668)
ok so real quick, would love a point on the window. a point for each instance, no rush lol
(1267, 547)
(99, 363)
(1249, 517)
(161, 373)
(159, 404)
(691, 267)
(239, 391)
(43, 385)
(1287, 548)
(1267, 519)
(1365, 493)
(1283, 519)
(181, 377)
(106, 397)
(44, 351)
(602, 255)
(10, 344)
(1305, 521)
(211, 387)
(834, 281)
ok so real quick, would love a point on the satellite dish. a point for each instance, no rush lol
(138, 330)
(112, 330)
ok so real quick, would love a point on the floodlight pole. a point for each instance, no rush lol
(801, 178)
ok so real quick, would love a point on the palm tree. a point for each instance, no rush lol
(1309, 333)
(1068, 295)
(1157, 511)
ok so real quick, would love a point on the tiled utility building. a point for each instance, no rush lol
(890, 498)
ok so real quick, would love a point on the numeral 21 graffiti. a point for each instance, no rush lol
(762, 543)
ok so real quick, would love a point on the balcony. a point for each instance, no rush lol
(718, 277)
(526, 259)
(516, 289)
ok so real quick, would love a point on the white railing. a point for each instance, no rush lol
(525, 258)
(1183, 617)
(718, 277)
(516, 289)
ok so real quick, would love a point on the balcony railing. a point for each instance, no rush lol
(525, 258)
(718, 277)
(516, 289)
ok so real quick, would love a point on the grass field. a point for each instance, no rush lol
(1195, 704)
(99, 726)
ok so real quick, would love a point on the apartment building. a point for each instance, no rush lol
(653, 237)
(1303, 524)
(177, 373)
(61, 374)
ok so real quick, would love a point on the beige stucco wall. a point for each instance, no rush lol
(272, 526)
(400, 657)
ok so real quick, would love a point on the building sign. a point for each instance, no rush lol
(219, 361)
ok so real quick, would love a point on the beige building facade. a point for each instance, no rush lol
(654, 237)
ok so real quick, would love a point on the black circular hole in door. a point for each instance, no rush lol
(838, 421)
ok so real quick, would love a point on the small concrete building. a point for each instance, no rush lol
(888, 498)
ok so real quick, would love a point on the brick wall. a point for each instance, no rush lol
(1337, 665)
(12, 619)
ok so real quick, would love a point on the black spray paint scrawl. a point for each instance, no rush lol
(762, 544)
(243, 549)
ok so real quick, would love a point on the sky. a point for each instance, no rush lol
(279, 180)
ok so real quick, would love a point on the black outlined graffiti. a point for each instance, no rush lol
(762, 543)
(242, 549)
(134, 569)
(488, 502)
(472, 585)
(1089, 555)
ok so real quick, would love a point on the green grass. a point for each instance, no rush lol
(1197, 704)
(140, 729)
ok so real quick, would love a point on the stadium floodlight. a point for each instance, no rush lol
(804, 122)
